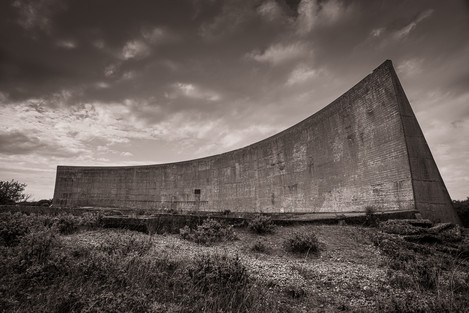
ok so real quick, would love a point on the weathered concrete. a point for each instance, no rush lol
(364, 149)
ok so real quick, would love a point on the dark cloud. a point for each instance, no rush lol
(94, 81)
(17, 143)
(35, 15)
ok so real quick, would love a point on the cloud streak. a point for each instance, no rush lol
(406, 30)
(281, 53)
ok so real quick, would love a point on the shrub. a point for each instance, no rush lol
(126, 243)
(295, 292)
(261, 224)
(300, 242)
(209, 232)
(90, 220)
(259, 246)
(36, 248)
(12, 228)
(67, 223)
(185, 232)
(218, 273)
(219, 284)
(462, 209)
(370, 217)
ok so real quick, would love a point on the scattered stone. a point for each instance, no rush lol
(400, 227)
(438, 228)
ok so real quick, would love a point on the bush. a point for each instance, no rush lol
(220, 283)
(17, 225)
(462, 209)
(209, 232)
(12, 192)
(259, 246)
(12, 228)
(67, 224)
(125, 243)
(303, 243)
(370, 217)
(36, 247)
(261, 224)
(218, 273)
(295, 292)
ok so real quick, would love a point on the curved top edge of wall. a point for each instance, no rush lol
(386, 65)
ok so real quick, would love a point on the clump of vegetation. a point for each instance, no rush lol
(121, 273)
(295, 292)
(303, 242)
(128, 244)
(12, 192)
(218, 274)
(220, 283)
(14, 226)
(68, 223)
(40, 203)
(462, 209)
(371, 220)
(211, 231)
(140, 212)
(259, 246)
(427, 268)
(261, 224)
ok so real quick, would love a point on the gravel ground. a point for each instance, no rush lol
(347, 271)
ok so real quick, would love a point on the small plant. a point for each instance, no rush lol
(259, 246)
(185, 232)
(261, 224)
(125, 244)
(218, 273)
(303, 243)
(370, 217)
(209, 232)
(67, 224)
(295, 292)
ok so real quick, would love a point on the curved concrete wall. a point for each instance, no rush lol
(358, 151)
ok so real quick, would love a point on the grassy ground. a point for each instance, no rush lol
(52, 266)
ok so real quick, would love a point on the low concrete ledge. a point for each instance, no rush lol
(152, 222)
(171, 223)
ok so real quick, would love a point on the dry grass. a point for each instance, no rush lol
(357, 270)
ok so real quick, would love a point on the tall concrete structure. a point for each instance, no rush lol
(364, 149)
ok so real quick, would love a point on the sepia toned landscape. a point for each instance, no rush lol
(228, 156)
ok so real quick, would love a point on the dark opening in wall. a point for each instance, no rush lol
(197, 191)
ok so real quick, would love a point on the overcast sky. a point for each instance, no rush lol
(108, 82)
